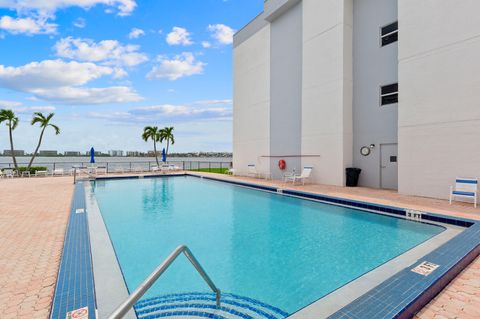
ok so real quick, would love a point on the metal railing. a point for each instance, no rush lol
(128, 166)
(125, 307)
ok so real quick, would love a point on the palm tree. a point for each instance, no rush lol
(152, 133)
(12, 123)
(166, 134)
(44, 122)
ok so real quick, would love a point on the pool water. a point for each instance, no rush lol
(283, 251)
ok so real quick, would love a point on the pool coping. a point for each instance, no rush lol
(404, 293)
(110, 287)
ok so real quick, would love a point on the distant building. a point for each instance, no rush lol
(115, 153)
(132, 153)
(48, 153)
(16, 152)
(135, 154)
(72, 153)
(97, 153)
(152, 153)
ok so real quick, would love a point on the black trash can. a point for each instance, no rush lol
(352, 176)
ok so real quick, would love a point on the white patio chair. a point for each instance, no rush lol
(465, 187)
(174, 167)
(164, 168)
(41, 173)
(9, 173)
(58, 172)
(231, 171)
(307, 171)
(252, 170)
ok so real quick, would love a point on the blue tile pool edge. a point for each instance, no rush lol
(401, 307)
(75, 287)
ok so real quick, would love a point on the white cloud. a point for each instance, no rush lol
(162, 112)
(108, 52)
(9, 104)
(214, 102)
(80, 23)
(62, 82)
(136, 33)
(179, 36)
(124, 7)
(31, 109)
(50, 74)
(84, 96)
(173, 69)
(28, 26)
(206, 44)
(20, 108)
(223, 34)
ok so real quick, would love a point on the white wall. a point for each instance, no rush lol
(373, 67)
(439, 102)
(251, 106)
(286, 90)
(327, 88)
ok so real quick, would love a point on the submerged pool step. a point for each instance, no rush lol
(202, 305)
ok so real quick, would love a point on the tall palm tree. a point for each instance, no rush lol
(152, 133)
(44, 122)
(166, 134)
(12, 123)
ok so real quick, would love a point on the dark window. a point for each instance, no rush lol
(389, 34)
(393, 159)
(389, 94)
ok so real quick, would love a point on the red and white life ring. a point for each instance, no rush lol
(281, 164)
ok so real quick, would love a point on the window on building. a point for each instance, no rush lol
(389, 94)
(389, 34)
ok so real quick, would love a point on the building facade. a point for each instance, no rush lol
(72, 153)
(47, 153)
(115, 153)
(15, 152)
(361, 83)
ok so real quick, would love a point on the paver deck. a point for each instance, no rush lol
(33, 219)
(34, 214)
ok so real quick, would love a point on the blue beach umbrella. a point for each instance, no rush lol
(92, 156)
(164, 156)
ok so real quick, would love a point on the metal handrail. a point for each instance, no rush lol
(125, 307)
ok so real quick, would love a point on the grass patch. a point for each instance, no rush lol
(211, 170)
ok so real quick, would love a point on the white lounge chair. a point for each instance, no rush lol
(174, 167)
(41, 173)
(164, 168)
(58, 172)
(465, 187)
(253, 172)
(307, 171)
(155, 168)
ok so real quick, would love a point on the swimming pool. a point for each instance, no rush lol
(282, 251)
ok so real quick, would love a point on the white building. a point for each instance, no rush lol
(315, 81)
(115, 153)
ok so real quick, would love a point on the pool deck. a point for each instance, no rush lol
(34, 214)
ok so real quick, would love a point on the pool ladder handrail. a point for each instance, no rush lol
(125, 307)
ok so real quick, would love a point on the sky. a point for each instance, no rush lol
(107, 68)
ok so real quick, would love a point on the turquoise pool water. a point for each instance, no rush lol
(283, 251)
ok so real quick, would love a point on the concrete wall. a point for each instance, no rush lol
(327, 89)
(251, 106)
(439, 113)
(373, 66)
(286, 89)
